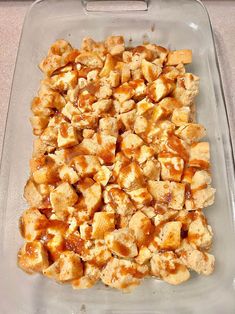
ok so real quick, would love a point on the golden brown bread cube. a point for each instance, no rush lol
(32, 195)
(191, 132)
(179, 56)
(187, 88)
(115, 44)
(92, 194)
(32, 224)
(91, 276)
(170, 235)
(103, 175)
(122, 243)
(160, 88)
(168, 267)
(86, 165)
(33, 257)
(123, 274)
(142, 227)
(171, 167)
(200, 234)
(61, 198)
(180, 116)
(102, 222)
(200, 155)
(131, 177)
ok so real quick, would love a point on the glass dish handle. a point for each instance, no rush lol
(115, 5)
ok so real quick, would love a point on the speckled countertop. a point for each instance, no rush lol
(222, 14)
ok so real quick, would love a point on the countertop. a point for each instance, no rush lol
(222, 14)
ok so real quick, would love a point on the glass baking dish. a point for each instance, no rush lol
(174, 24)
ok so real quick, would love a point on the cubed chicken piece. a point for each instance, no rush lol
(33, 257)
(130, 145)
(141, 196)
(171, 167)
(180, 116)
(150, 70)
(144, 106)
(200, 234)
(140, 125)
(131, 177)
(200, 155)
(67, 135)
(127, 106)
(114, 78)
(106, 147)
(61, 198)
(39, 123)
(69, 110)
(86, 165)
(32, 195)
(103, 222)
(167, 266)
(151, 169)
(170, 235)
(179, 56)
(122, 243)
(200, 262)
(191, 132)
(64, 81)
(115, 45)
(108, 126)
(123, 274)
(143, 256)
(89, 59)
(142, 227)
(200, 179)
(187, 88)
(128, 119)
(84, 121)
(32, 224)
(122, 202)
(92, 194)
(68, 174)
(91, 276)
(101, 106)
(124, 92)
(85, 231)
(103, 176)
(109, 65)
(160, 88)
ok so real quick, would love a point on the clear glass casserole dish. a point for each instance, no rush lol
(175, 24)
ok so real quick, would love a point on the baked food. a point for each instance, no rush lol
(119, 175)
